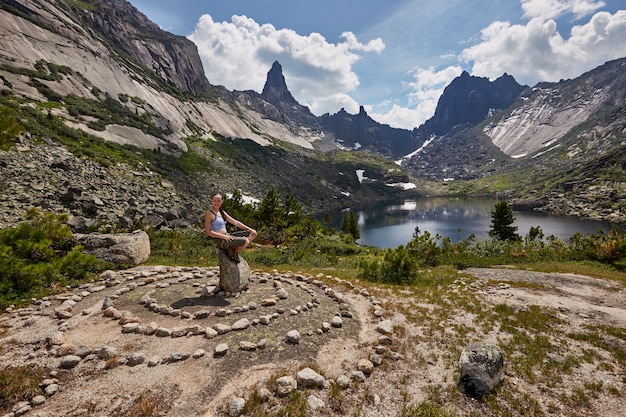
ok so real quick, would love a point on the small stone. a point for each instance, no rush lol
(376, 360)
(264, 395)
(285, 385)
(63, 315)
(365, 366)
(385, 327)
(135, 359)
(358, 376)
(107, 352)
(179, 332)
(248, 346)
(236, 406)
(343, 381)
(314, 403)
(51, 389)
(268, 302)
(178, 356)
(21, 408)
(385, 340)
(37, 400)
(221, 349)
(130, 328)
(241, 324)
(210, 333)
(336, 322)
(222, 328)
(202, 314)
(293, 336)
(69, 361)
(199, 353)
(308, 378)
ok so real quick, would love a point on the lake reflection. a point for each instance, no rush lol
(457, 218)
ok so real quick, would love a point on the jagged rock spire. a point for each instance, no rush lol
(275, 89)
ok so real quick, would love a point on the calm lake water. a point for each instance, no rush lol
(393, 225)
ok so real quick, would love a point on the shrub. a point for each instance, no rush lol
(19, 384)
(398, 266)
(39, 256)
(9, 127)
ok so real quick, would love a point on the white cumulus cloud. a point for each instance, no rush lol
(424, 92)
(238, 54)
(551, 9)
(537, 51)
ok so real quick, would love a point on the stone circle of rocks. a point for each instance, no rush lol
(152, 279)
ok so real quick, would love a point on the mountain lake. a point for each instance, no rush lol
(388, 226)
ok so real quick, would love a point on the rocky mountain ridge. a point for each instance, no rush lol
(87, 72)
(468, 100)
(74, 55)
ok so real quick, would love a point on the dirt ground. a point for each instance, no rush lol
(187, 378)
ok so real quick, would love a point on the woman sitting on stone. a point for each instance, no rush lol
(215, 220)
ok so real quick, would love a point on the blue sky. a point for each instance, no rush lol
(393, 57)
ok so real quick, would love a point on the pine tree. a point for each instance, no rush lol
(502, 220)
(354, 226)
(350, 224)
(270, 211)
(345, 222)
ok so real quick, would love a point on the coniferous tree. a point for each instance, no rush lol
(270, 212)
(345, 222)
(502, 220)
(350, 224)
(293, 210)
(354, 226)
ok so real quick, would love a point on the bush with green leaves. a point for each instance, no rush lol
(9, 127)
(39, 257)
(398, 266)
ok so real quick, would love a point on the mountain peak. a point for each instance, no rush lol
(468, 99)
(275, 89)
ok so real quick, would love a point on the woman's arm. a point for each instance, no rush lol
(235, 222)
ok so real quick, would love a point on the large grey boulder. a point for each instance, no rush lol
(119, 248)
(480, 367)
(234, 277)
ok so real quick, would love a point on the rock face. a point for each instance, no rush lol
(277, 103)
(480, 367)
(360, 131)
(468, 100)
(544, 115)
(234, 277)
(121, 248)
(173, 57)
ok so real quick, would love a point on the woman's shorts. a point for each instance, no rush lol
(224, 244)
